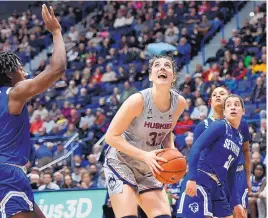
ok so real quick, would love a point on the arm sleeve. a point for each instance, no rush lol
(206, 139)
(235, 199)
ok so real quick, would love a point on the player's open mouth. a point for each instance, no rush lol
(162, 76)
(233, 113)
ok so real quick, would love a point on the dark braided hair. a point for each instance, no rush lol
(9, 63)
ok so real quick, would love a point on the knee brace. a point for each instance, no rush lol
(163, 216)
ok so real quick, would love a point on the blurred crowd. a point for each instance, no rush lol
(108, 61)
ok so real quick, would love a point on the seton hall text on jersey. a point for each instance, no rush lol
(230, 145)
(153, 125)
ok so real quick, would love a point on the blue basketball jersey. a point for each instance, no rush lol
(243, 128)
(15, 144)
(221, 145)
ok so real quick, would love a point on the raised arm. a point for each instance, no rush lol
(26, 89)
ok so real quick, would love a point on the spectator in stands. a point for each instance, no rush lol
(120, 20)
(226, 71)
(260, 137)
(74, 117)
(76, 174)
(262, 66)
(171, 34)
(36, 125)
(192, 17)
(89, 119)
(211, 72)
(85, 138)
(71, 130)
(189, 82)
(86, 181)
(42, 111)
(259, 91)
(94, 172)
(184, 125)
(68, 182)
(61, 151)
(48, 124)
(35, 181)
(109, 75)
(188, 145)
(100, 122)
(73, 34)
(61, 125)
(205, 25)
(254, 67)
(184, 48)
(200, 108)
(258, 182)
(58, 178)
(257, 15)
(48, 184)
(203, 8)
(199, 84)
(83, 99)
(237, 48)
(54, 112)
(43, 154)
(255, 158)
(71, 91)
(195, 40)
(66, 110)
(128, 91)
(240, 72)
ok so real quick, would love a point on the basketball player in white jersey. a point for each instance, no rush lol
(142, 126)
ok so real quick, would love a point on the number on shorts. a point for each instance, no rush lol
(228, 162)
(155, 138)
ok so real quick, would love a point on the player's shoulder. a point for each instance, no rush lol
(243, 123)
(180, 99)
(135, 99)
(220, 124)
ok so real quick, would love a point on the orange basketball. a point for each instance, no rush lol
(174, 169)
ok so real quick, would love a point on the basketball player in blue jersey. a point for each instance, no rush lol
(16, 197)
(142, 126)
(242, 176)
(221, 144)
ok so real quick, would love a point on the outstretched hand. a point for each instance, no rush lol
(50, 20)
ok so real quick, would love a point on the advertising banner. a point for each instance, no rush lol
(71, 203)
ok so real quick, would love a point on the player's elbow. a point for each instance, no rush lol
(59, 67)
(108, 138)
(58, 70)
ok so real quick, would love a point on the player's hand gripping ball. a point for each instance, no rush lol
(174, 168)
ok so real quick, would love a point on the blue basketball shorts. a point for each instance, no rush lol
(15, 191)
(241, 181)
(210, 201)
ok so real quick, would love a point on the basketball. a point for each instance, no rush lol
(174, 168)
